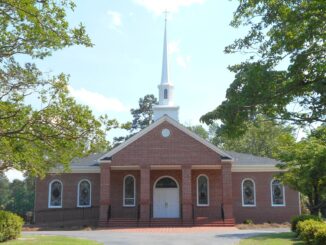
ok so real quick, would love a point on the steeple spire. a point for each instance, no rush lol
(166, 104)
(165, 65)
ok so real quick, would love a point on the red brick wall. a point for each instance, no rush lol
(215, 192)
(118, 211)
(153, 149)
(263, 212)
(69, 211)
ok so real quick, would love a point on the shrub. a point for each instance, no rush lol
(248, 222)
(320, 236)
(296, 219)
(10, 225)
(312, 231)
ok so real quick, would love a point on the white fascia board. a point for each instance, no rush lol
(255, 168)
(74, 170)
(155, 124)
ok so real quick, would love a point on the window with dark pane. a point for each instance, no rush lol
(56, 194)
(129, 191)
(277, 193)
(84, 193)
(166, 183)
(202, 190)
(248, 192)
(165, 93)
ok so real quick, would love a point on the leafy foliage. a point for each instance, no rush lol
(308, 229)
(299, 218)
(199, 130)
(4, 191)
(142, 117)
(18, 195)
(306, 168)
(10, 225)
(262, 138)
(285, 78)
(56, 129)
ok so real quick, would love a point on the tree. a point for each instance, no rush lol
(56, 129)
(142, 117)
(288, 34)
(22, 196)
(262, 138)
(4, 191)
(199, 130)
(306, 168)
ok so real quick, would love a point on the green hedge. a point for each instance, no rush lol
(312, 231)
(296, 219)
(10, 225)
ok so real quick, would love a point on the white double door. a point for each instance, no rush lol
(166, 203)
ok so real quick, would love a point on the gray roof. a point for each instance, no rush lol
(249, 159)
(239, 159)
(90, 160)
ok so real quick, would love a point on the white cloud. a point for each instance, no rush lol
(115, 19)
(183, 61)
(173, 47)
(159, 6)
(97, 101)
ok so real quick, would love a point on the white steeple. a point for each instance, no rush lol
(166, 105)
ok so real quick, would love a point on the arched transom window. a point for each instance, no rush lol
(55, 194)
(165, 94)
(248, 193)
(166, 182)
(84, 194)
(277, 190)
(202, 191)
(129, 191)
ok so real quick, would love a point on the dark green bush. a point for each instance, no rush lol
(296, 219)
(10, 225)
(248, 222)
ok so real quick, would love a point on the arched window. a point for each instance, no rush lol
(202, 190)
(248, 193)
(84, 198)
(277, 193)
(165, 93)
(129, 191)
(55, 194)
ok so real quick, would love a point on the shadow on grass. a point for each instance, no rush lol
(283, 238)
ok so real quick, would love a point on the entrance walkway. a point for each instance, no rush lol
(163, 236)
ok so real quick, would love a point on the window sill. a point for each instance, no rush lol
(55, 207)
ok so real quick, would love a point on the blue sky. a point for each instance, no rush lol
(125, 63)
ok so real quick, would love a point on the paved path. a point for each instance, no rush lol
(162, 236)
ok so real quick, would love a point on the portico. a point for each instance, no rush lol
(166, 194)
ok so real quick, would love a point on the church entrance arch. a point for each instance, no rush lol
(166, 198)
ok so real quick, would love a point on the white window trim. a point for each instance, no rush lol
(254, 184)
(50, 191)
(90, 194)
(198, 204)
(277, 205)
(124, 199)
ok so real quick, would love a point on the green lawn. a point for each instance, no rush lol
(286, 238)
(50, 240)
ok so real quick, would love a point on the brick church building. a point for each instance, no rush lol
(165, 175)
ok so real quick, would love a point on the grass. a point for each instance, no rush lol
(285, 238)
(49, 240)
